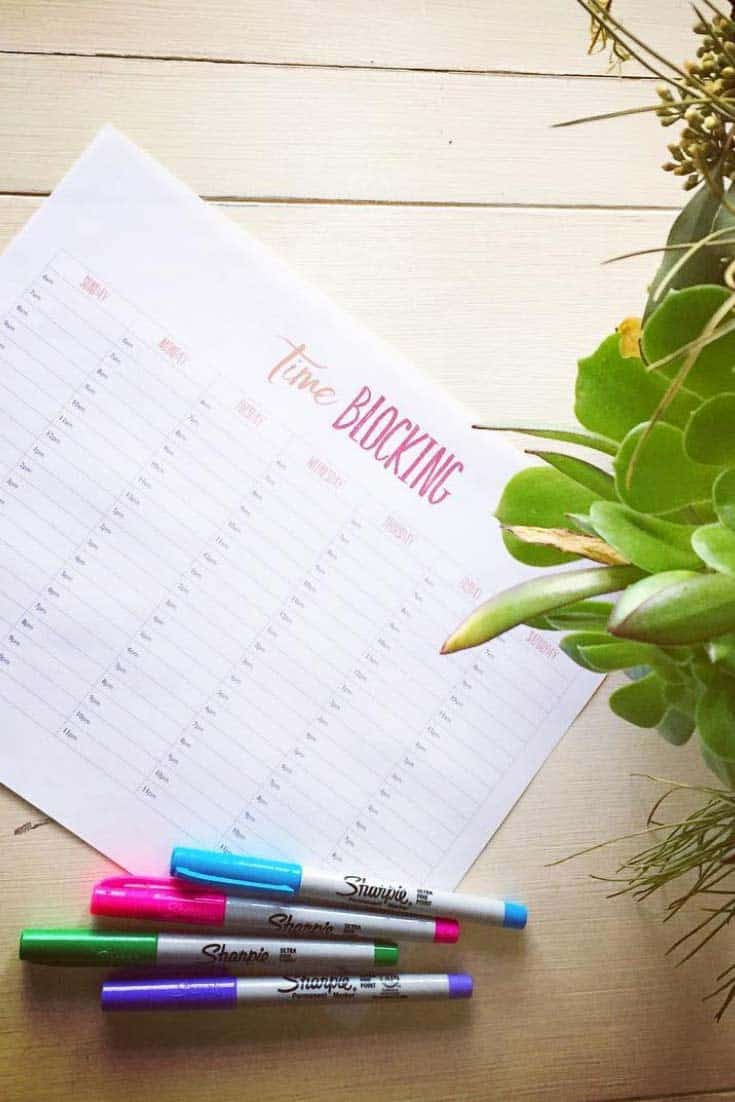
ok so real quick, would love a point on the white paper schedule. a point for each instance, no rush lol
(235, 530)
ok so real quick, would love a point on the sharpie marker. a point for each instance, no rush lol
(283, 880)
(227, 992)
(174, 901)
(102, 947)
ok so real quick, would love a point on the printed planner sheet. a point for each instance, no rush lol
(236, 530)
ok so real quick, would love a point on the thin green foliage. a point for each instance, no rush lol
(696, 853)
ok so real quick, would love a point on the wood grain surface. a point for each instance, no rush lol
(400, 156)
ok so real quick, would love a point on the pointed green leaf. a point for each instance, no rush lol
(681, 318)
(675, 608)
(536, 597)
(676, 726)
(641, 702)
(586, 474)
(614, 393)
(584, 615)
(715, 545)
(709, 435)
(716, 724)
(572, 645)
(649, 542)
(723, 496)
(541, 497)
(617, 655)
(693, 223)
(664, 477)
(566, 436)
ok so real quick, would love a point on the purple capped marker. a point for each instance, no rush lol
(228, 992)
(207, 993)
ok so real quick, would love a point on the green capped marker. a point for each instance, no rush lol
(257, 955)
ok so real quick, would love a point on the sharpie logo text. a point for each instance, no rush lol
(359, 888)
(282, 920)
(218, 951)
(317, 985)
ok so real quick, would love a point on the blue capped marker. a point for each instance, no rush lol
(256, 876)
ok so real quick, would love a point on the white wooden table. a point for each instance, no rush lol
(399, 155)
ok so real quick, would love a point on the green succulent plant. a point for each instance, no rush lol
(646, 523)
(652, 510)
(656, 513)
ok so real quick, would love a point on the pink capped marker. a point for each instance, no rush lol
(172, 901)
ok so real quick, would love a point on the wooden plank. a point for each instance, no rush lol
(581, 1006)
(482, 314)
(480, 35)
(265, 132)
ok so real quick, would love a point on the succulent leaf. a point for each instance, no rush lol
(572, 645)
(664, 478)
(715, 718)
(641, 702)
(723, 496)
(540, 497)
(589, 615)
(679, 319)
(693, 223)
(676, 607)
(566, 436)
(617, 655)
(600, 483)
(710, 437)
(677, 727)
(715, 545)
(614, 393)
(535, 597)
(649, 542)
(576, 543)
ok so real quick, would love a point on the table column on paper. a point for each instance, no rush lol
(107, 422)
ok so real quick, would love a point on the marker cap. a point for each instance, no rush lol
(385, 953)
(212, 993)
(516, 916)
(460, 985)
(232, 872)
(87, 947)
(446, 930)
(168, 900)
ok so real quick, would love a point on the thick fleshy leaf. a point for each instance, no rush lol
(641, 702)
(693, 223)
(715, 545)
(540, 497)
(677, 727)
(600, 483)
(664, 478)
(681, 318)
(723, 496)
(536, 597)
(675, 608)
(710, 435)
(572, 645)
(649, 542)
(567, 436)
(721, 651)
(576, 543)
(616, 655)
(716, 726)
(615, 393)
(579, 520)
(583, 616)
